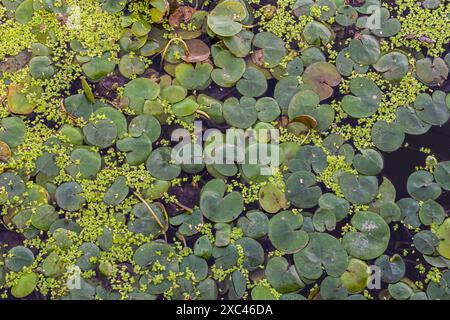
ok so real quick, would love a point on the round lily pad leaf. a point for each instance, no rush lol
(240, 44)
(316, 33)
(12, 131)
(426, 242)
(254, 224)
(25, 285)
(18, 258)
(442, 175)
(160, 165)
(224, 19)
(239, 115)
(431, 212)
(400, 291)
(115, 116)
(345, 65)
(331, 203)
(253, 252)
(18, 102)
(268, 109)
(421, 186)
(281, 276)
(394, 66)
(99, 67)
(443, 232)
(332, 288)
(131, 66)
(188, 224)
(366, 99)
(11, 186)
(301, 189)
(358, 189)
(145, 124)
(368, 162)
(101, 133)
(272, 199)
(323, 252)
(322, 76)
(229, 69)
(285, 232)
(193, 78)
(387, 137)
(260, 292)
(355, 278)
(41, 67)
(365, 50)
(252, 84)
(137, 149)
(409, 122)
(84, 163)
(273, 48)
(218, 207)
(392, 268)
(371, 239)
(432, 109)
(432, 72)
(43, 217)
(68, 196)
(138, 91)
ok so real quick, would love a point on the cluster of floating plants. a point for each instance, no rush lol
(93, 206)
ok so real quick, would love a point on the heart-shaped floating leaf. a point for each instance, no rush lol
(230, 69)
(239, 114)
(84, 163)
(409, 211)
(369, 162)
(430, 72)
(252, 84)
(145, 125)
(332, 288)
(322, 76)
(99, 67)
(193, 78)
(316, 33)
(392, 268)
(198, 51)
(387, 137)
(240, 44)
(25, 285)
(18, 258)
(223, 19)
(218, 207)
(442, 175)
(371, 239)
(268, 109)
(431, 212)
(285, 233)
(131, 66)
(138, 91)
(18, 102)
(273, 49)
(272, 199)
(160, 165)
(365, 50)
(253, 253)
(137, 149)
(115, 116)
(254, 224)
(12, 131)
(323, 252)
(101, 133)
(366, 99)
(11, 186)
(188, 223)
(301, 189)
(443, 232)
(281, 276)
(421, 186)
(409, 122)
(432, 109)
(68, 197)
(393, 65)
(41, 67)
(358, 189)
(355, 278)
(331, 203)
